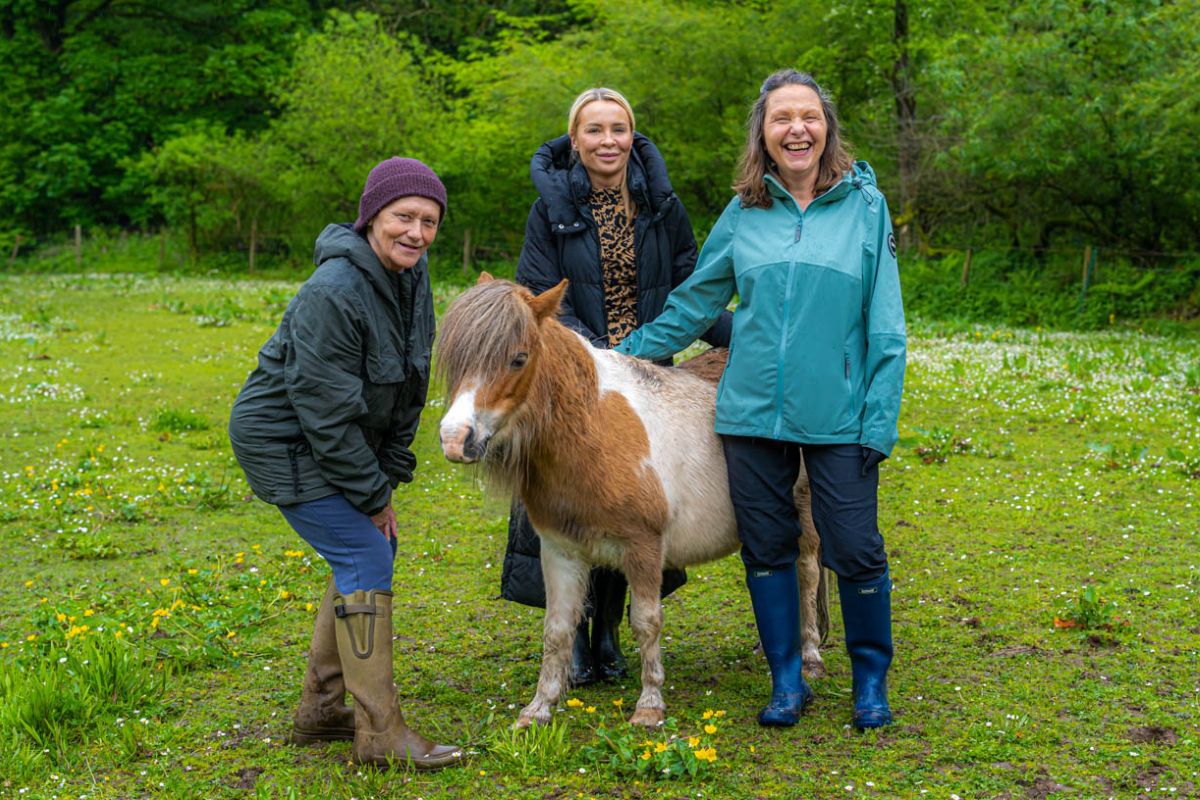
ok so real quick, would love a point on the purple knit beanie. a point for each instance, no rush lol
(395, 178)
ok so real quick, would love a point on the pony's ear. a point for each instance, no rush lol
(484, 277)
(546, 304)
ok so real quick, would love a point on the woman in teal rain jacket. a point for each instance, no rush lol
(816, 368)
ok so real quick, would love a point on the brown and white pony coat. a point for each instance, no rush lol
(614, 458)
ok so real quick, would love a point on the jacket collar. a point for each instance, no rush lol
(341, 241)
(858, 177)
(564, 186)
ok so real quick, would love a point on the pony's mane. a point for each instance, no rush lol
(480, 329)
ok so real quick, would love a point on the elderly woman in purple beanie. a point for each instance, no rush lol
(323, 429)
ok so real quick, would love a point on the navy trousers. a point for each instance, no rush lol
(762, 473)
(359, 555)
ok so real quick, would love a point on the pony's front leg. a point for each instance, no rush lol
(644, 571)
(566, 583)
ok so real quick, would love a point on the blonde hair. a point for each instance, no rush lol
(755, 162)
(613, 96)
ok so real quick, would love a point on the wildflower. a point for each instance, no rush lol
(590, 709)
(708, 754)
(284, 594)
(28, 584)
(193, 571)
(695, 740)
(661, 747)
(574, 702)
(293, 553)
(31, 637)
(118, 633)
(230, 634)
(645, 755)
(618, 702)
(719, 714)
(752, 748)
(308, 606)
(708, 714)
(61, 617)
(164, 581)
(710, 729)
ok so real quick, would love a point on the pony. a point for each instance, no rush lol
(614, 458)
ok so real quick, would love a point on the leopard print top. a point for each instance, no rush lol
(617, 266)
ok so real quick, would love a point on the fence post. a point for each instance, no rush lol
(1089, 269)
(79, 247)
(253, 241)
(466, 258)
(966, 273)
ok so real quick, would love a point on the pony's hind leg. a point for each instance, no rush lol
(808, 568)
(566, 583)
(644, 571)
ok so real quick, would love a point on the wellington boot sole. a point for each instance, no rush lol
(301, 736)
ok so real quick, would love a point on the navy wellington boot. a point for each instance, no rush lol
(867, 618)
(775, 595)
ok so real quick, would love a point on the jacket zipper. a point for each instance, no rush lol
(783, 340)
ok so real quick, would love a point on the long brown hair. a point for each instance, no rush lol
(756, 163)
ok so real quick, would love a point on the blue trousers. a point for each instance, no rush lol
(762, 473)
(359, 555)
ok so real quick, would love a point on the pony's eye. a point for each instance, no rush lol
(518, 360)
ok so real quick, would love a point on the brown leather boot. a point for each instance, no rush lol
(323, 715)
(364, 643)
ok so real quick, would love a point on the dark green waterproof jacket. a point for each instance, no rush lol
(334, 403)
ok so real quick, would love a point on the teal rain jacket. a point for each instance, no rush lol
(818, 345)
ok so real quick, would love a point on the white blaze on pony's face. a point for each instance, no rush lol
(460, 441)
(488, 360)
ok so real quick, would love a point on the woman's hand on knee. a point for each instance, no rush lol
(385, 521)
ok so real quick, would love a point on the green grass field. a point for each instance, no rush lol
(1041, 512)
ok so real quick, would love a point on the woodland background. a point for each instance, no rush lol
(233, 130)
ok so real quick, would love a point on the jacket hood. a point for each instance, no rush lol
(340, 241)
(564, 186)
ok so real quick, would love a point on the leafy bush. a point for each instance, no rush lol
(1014, 288)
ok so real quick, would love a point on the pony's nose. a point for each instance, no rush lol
(475, 445)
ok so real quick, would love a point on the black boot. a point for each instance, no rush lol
(583, 670)
(775, 595)
(609, 587)
(867, 617)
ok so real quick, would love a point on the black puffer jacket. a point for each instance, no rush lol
(334, 403)
(562, 241)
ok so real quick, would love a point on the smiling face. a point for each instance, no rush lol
(603, 136)
(794, 130)
(403, 230)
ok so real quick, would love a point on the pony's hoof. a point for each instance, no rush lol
(648, 717)
(814, 668)
(531, 715)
